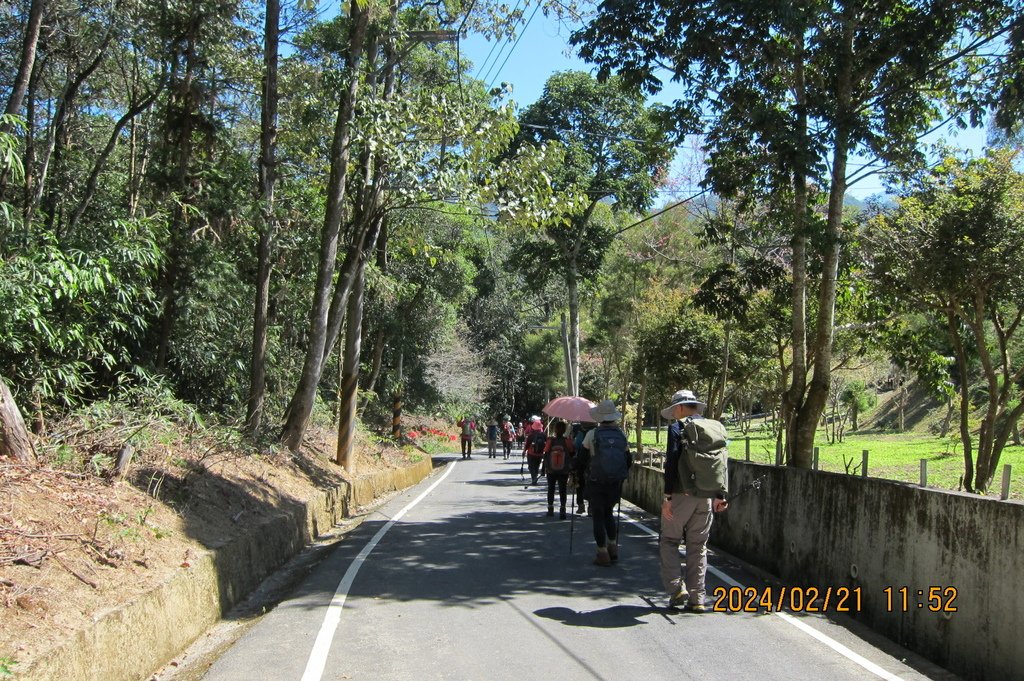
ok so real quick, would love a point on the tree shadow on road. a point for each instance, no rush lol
(477, 557)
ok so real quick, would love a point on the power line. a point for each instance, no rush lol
(662, 211)
(520, 37)
(582, 134)
(502, 42)
(458, 49)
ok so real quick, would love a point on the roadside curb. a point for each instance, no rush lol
(134, 640)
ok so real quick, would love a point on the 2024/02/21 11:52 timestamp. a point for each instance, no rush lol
(933, 599)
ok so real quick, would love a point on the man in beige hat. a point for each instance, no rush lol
(685, 511)
(606, 459)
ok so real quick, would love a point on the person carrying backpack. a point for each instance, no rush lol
(606, 459)
(492, 439)
(558, 451)
(696, 483)
(533, 447)
(467, 426)
(508, 435)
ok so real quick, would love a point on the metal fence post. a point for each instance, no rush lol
(747, 447)
(864, 464)
(924, 472)
(1006, 482)
(814, 464)
(778, 453)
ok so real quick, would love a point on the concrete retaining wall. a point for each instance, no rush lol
(130, 642)
(820, 529)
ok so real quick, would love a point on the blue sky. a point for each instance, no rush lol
(543, 49)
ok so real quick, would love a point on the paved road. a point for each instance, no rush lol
(464, 577)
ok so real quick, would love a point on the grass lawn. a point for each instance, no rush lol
(892, 456)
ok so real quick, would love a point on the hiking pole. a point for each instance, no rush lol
(754, 484)
(618, 517)
(572, 518)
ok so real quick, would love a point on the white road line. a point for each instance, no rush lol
(789, 619)
(322, 646)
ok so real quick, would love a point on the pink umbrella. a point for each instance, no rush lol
(570, 408)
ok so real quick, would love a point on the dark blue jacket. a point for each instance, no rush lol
(672, 453)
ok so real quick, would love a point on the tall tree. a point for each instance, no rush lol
(952, 249)
(301, 405)
(267, 177)
(615, 152)
(793, 90)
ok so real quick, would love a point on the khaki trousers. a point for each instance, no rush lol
(691, 517)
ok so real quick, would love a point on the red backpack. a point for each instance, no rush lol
(558, 456)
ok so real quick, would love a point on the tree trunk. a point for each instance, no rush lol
(817, 395)
(267, 180)
(720, 397)
(180, 138)
(377, 361)
(28, 56)
(944, 429)
(26, 66)
(138, 161)
(965, 405)
(572, 285)
(14, 438)
(101, 160)
(902, 402)
(61, 131)
(640, 417)
(29, 158)
(977, 322)
(793, 399)
(349, 388)
(301, 405)
(566, 356)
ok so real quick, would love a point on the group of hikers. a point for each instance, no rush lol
(595, 459)
(506, 433)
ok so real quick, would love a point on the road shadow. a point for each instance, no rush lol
(479, 556)
(614, 617)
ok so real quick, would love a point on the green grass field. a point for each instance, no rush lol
(890, 456)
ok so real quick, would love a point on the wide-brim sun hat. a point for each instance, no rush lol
(682, 397)
(605, 411)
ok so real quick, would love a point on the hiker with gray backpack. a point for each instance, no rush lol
(696, 484)
(605, 458)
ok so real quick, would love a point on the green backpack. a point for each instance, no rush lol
(705, 455)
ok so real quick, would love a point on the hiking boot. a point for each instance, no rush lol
(696, 608)
(613, 551)
(602, 557)
(551, 512)
(678, 599)
(581, 510)
(561, 514)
